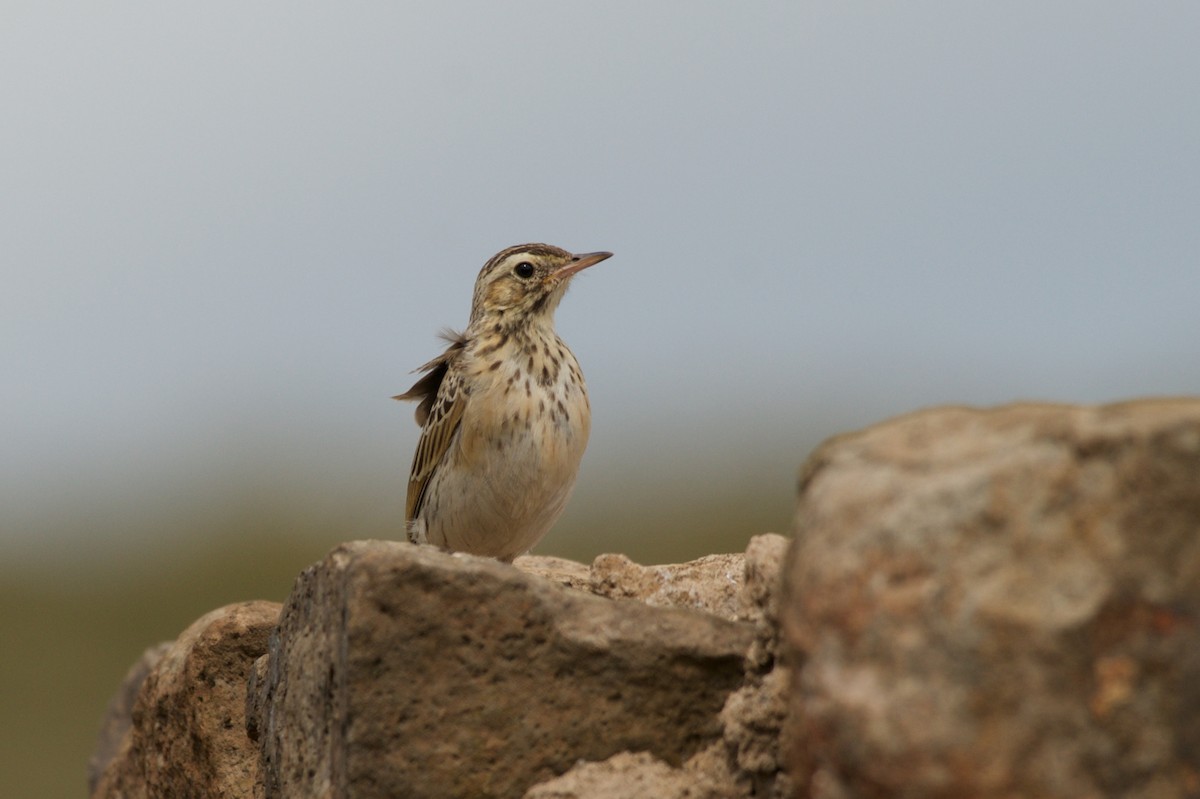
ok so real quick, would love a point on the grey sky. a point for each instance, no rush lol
(230, 230)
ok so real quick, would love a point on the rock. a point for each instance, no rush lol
(758, 600)
(752, 720)
(566, 573)
(118, 716)
(711, 584)
(404, 671)
(186, 737)
(628, 776)
(747, 762)
(999, 603)
(754, 715)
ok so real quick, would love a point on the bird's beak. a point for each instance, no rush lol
(578, 264)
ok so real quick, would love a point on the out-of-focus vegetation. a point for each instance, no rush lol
(72, 625)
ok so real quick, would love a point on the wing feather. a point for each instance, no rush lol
(441, 400)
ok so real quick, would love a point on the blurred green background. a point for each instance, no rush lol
(228, 231)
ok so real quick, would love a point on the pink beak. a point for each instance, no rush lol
(579, 263)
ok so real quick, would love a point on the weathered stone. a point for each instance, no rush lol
(758, 601)
(747, 762)
(187, 734)
(764, 558)
(567, 573)
(403, 671)
(118, 716)
(713, 766)
(628, 776)
(711, 583)
(753, 716)
(999, 603)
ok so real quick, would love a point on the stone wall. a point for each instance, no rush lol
(989, 603)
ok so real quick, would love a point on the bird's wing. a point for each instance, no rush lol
(442, 398)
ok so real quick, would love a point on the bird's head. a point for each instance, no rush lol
(524, 284)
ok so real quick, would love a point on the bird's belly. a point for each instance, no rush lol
(511, 475)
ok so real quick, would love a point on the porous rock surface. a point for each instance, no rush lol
(712, 583)
(185, 736)
(983, 603)
(746, 761)
(999, 603)
(118, 716)
(404, 671)
(630, 775)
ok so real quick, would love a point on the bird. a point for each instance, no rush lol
(504, 413)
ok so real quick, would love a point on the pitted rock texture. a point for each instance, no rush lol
(629, 776)
(994, 603)
(746, 762)
(118, 716)
(712, 583)
(404, 671)
(999, 603)
(186, 735)
(753, 717)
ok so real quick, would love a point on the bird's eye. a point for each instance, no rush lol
(524, 269)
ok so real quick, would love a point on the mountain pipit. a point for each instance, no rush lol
(504, 413)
